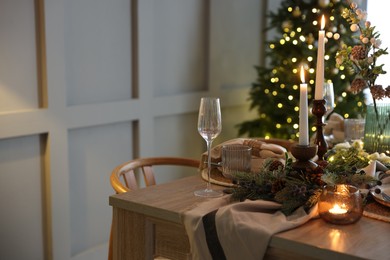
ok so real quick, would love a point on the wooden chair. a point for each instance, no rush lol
(123, 177)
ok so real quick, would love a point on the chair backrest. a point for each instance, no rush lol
(123, 177)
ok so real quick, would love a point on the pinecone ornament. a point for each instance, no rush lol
(358, 52)
(358, 85)
(377, 92)
(275, 165)
(278, 185)
(314, 176)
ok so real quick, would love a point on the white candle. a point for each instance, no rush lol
(319, 90)
(337, 210)
(303, 112)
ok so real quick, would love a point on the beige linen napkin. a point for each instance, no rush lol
(244, 228)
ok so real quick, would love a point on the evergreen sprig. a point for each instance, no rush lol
(294, 188)
(291, 188)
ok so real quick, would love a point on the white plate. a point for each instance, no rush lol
(378, 197)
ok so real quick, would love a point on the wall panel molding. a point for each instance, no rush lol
(101, 82)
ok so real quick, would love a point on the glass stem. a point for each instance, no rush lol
(208, 188)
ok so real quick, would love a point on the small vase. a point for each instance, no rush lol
(377, 129)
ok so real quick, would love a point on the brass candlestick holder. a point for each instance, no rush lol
(319, 110)
(304, 154)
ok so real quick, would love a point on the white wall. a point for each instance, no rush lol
(88, 84)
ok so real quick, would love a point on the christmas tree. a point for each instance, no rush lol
(275, 94)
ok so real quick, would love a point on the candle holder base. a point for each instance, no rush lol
(304, 154)
(319, 110)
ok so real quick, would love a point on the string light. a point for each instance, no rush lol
(276, 88)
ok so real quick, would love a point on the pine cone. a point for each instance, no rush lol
(377, 92)
(358, 52)
(277, 186)
(275, 165)
(358, 85)
(387, 91)
(314, 175)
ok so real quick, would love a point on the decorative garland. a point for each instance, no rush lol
(293, 188)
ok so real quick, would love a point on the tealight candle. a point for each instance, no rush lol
(319, 91)
(340, 204)
(337, 210)
(303, 112)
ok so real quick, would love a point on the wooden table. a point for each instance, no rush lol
(148, 222)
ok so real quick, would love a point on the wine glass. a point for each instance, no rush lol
(209, 127)
(329, 98)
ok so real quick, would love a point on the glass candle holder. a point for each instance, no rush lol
(340, 204)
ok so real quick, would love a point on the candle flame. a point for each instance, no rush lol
(323, 22)
(302, 75)
(338, 210)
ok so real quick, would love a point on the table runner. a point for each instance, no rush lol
(218, 229)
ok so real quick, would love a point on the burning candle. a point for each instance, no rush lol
(340, 204)
(303, 112)
(319, 91)
(337, 210)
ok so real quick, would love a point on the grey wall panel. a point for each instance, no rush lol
(93, 153)
(97, 51)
